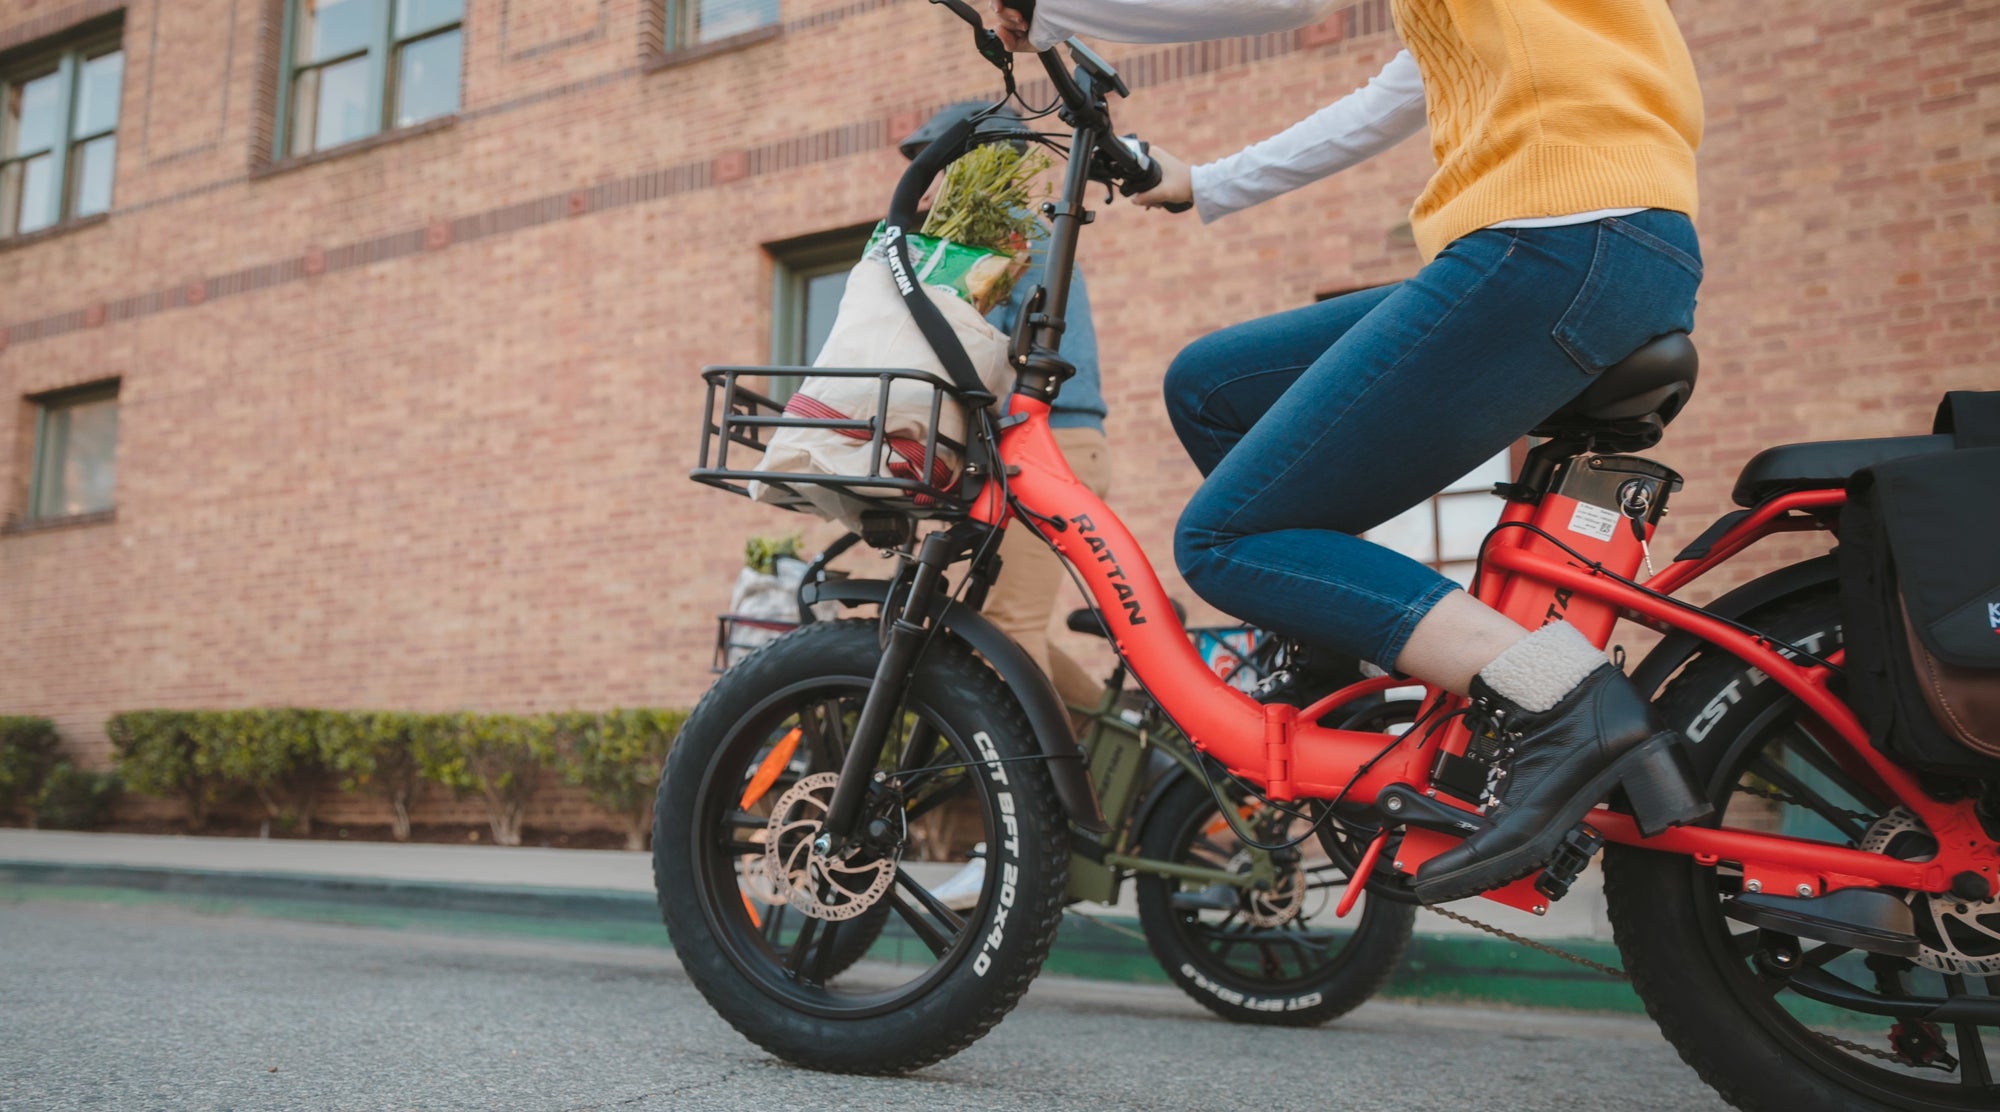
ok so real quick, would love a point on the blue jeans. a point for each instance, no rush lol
(1317, 424)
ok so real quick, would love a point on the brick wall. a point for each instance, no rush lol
(406, 426)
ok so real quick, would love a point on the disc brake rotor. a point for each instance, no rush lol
(1958, 936)
(1278, 904)
(819, 886)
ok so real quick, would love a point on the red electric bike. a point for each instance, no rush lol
(1828, 937)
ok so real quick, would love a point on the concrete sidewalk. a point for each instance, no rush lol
(507, 866)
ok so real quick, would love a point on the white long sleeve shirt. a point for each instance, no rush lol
(1169, 20)
(1358, 126)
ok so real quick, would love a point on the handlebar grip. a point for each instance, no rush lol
(1149, 178)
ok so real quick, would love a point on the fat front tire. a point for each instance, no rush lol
(776, 725)
(1758, 1045)
(1277, 957)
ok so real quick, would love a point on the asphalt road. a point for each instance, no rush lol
(110, 1007)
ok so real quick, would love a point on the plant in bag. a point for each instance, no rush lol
(971, 251)
(764, 600)
(984, 215)
(761, 554)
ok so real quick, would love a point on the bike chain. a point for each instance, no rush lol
(1543, 947)
(1612, 971)
(1894, 1059)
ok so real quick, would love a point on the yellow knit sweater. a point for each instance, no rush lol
(1550, 107)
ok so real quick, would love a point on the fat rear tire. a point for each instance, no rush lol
(1662, 911)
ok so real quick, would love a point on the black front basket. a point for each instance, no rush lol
(902, 477)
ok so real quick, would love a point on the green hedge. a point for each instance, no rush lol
(381, 753)
(75, 798)
(280, 755)
(616, 758)
(27, 754)
(290, 757)
(169, 753)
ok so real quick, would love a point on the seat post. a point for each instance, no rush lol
(1544, 463)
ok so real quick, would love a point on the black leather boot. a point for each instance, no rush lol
(1555, 766)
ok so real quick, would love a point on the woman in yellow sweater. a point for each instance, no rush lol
(1557, 240)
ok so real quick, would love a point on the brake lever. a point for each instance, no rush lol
(988, 44)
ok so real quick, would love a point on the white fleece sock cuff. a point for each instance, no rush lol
(1543, 667)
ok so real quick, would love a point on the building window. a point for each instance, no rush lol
(810, 275)
(59, 135)
(695, 22)
(1445, 531)
(76, 452)
(358, 67)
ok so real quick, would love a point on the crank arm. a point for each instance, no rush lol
(1402, 804)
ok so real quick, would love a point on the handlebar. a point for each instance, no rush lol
(1096, 154)
(1124, 161)
(1149, 178)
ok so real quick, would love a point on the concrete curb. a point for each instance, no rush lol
(1435, 967)
(594, 905)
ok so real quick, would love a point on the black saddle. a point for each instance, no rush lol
(1823, 464)
(1629, 405)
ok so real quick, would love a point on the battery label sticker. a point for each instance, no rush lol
(1593, 521)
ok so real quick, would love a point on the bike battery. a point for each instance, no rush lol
(1602, 510)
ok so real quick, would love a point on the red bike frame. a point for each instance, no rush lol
(1283, 750)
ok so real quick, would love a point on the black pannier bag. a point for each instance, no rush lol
(1920, 589)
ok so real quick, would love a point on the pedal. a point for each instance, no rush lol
(1869, 919)
(1571, 858)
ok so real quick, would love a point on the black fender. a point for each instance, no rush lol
(1679, 647)
(1046, 714)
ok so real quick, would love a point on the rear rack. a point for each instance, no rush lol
(738, 635)
(904, 475)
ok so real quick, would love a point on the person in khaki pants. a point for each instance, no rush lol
(1022, 602)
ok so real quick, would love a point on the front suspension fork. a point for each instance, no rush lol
(909, 630)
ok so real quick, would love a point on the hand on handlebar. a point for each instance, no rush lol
(1176, 184)
(1012, 27)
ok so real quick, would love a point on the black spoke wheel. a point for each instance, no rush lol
(1711, 982)
(1273, 955)
(773, 933)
